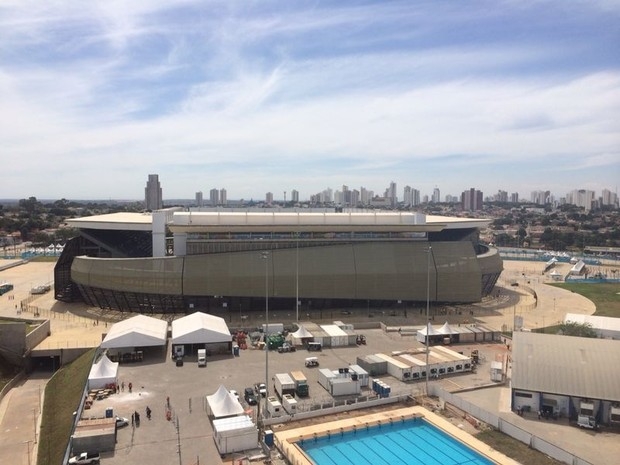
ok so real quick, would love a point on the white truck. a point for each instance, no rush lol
(289, 404)
(586, 421)
(283, 384)
(202, 357)
(85, 458)
(301, 383)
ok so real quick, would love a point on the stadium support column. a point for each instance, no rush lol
(159, 233)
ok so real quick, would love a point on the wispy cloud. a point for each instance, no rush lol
(300, 95)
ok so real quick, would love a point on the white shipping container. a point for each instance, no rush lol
(344, 387)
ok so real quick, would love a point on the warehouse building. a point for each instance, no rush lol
(566, 376)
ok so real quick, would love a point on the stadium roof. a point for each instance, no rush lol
(192, 221)
(566, 365)
(598, 322)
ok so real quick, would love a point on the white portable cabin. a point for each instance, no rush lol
(325, 377)
(289, 404)
(397, 369)
(360, 373)
(497, 371)
(235, 434)
(274, 407)
(418, 367)
(344, 387)
(461, 362)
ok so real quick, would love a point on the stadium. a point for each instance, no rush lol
(179, 261)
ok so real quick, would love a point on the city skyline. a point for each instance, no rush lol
(517, 96)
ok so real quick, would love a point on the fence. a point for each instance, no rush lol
(506, 427)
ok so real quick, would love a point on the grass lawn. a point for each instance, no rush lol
(606, 296)
(514, 449)
(62, 397)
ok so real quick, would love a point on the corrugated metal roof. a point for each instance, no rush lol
(565, 365)
(597, 322)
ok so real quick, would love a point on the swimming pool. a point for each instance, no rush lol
(408, 442)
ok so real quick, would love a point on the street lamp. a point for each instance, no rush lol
(428, 305)
(297, 277)
(265, 256)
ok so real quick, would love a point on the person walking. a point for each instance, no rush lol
(130, 386)
(123, 386)
(148, 412)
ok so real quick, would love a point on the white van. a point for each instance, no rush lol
(202, 357)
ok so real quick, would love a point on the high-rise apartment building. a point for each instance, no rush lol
(609, 197)
(391, 194)
(223, 198)
(471, 200)
(214, 197)
(514, 197)
(294, 196)
(436, 195)
(199, 201)
(541, 197)
(269, 198)
(153, 193)
(582, 198)
(501, 196)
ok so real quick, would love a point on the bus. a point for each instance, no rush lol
(5, 287)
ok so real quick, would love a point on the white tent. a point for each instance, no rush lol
(138, 331)
(200, 328)
(445, 329)
(428, 329)
(235, 434)
(103, 373)
(297, 338)
(223, 404)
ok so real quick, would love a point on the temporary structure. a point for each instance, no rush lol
(235, 434)
(223, 404)
(139, 331)
(103, 373)
(300, 336)
(200, 328)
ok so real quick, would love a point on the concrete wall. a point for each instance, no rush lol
(13, 341)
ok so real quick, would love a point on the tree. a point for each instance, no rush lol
(572, 328)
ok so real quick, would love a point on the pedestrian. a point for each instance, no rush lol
(168, 401)
(148, 412)
(133, 419)
(539, 414)
(123, 386)
(129, 386)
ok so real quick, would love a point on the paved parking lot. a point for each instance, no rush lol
(156, 441)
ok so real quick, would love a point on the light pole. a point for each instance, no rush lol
(265, 256)
(428, 306)
(297, 277)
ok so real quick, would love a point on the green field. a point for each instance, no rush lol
(606, 296)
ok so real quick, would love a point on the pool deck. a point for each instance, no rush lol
(287, 440)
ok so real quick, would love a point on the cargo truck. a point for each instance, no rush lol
(301, 384)
(283, 384)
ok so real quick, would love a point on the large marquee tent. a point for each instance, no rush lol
(138, 331)
(200, 328)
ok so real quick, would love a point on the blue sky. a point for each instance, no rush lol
(258, 96)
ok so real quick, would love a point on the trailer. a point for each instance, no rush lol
(344, 387)
(289, 404)
(301, 383)
(283, 384)
(358, 373)
(325, 377)
(274, 407)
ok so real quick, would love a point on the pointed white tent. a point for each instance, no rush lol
(224, 404)
(428, 329)
(445, 329)
(103, 373)
(138, 331)
(200, 328)
(298, 337)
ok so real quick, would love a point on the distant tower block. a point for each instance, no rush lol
(153, 193)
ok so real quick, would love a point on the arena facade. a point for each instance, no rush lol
(179, 261)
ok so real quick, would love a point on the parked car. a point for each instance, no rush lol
(248, 394)
(121, 422)
(286, 347)
(85, 459)
(260, 389)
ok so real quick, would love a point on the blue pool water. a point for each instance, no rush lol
(409, 442)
